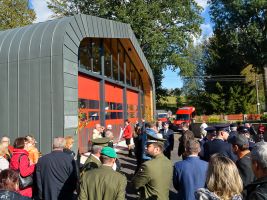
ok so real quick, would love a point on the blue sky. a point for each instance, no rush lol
(171, 79)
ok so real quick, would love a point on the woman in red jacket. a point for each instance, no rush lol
(20, 162)
(127, 134)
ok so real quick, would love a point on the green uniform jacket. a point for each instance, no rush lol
(90, 163)
(103, 184)
(154, 178)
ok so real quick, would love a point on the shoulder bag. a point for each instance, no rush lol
(24, 182)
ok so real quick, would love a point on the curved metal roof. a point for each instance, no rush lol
(62, 36)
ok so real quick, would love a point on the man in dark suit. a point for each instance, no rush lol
(219, 144)
(190, 174)
(169, 142)
(186, 136)
(56, 173)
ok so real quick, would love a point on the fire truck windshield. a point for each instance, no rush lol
(182, 117)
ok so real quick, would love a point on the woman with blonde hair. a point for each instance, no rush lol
(32, 150)
(68, 145)
(223, 180)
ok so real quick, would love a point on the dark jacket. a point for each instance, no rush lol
(56, 176)
(245, 169)
(186, 136)
(257, 190)
(168, 135)
(218, 146)
(9, 195)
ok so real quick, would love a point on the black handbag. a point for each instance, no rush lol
(24, 182)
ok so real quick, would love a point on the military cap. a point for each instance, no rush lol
(233, 125)
(222, 127)
(239, 140)
(155, 138)
(109, 152)
(101, 141)
(210, 130)
(243, 129)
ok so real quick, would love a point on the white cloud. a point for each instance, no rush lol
(202, 3)
(206, 30)
(43, 13)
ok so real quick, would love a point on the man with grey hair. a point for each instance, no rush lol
(93, 161)
(56, 173)
(258, 189)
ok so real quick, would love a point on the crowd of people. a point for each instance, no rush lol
(229, 162)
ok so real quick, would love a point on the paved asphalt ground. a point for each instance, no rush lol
(128, 166)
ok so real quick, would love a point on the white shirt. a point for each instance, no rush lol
(4, 164)
(203, 126)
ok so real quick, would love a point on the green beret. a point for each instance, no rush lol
(101, 141)
(109, 152)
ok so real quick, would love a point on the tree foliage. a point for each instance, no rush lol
(15, 13)
(240, 40)
(164, 29)
(232, 58)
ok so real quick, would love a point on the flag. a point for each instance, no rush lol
(30, 5)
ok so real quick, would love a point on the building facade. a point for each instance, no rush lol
(63, 76)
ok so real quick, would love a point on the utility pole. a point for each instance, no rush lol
(257, 93)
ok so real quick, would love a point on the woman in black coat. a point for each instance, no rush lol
(9, 184)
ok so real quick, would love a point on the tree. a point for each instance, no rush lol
(15, 13)
(240, 27)
(164, 29)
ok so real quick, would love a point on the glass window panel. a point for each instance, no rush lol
(107, 57)
(94, 104)
(82, 103)
(134, 76)
(120, 115)
(114, 51)
(107, 107)
(113, 115)
(113, 106)
(121, 63)
(138, 81)
(119, 106)
(128, 69)
(84, 58)
(108, 115)
(96, 55)
(93, 116)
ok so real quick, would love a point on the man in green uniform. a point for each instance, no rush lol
(154, 177)
(93, 161)
(103, 183)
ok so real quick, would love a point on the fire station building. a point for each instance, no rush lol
(63, 76)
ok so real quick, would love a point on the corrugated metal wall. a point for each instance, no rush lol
(39, 75)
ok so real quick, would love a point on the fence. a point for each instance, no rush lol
(232, 117)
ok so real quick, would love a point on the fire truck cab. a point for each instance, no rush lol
(185, 114)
